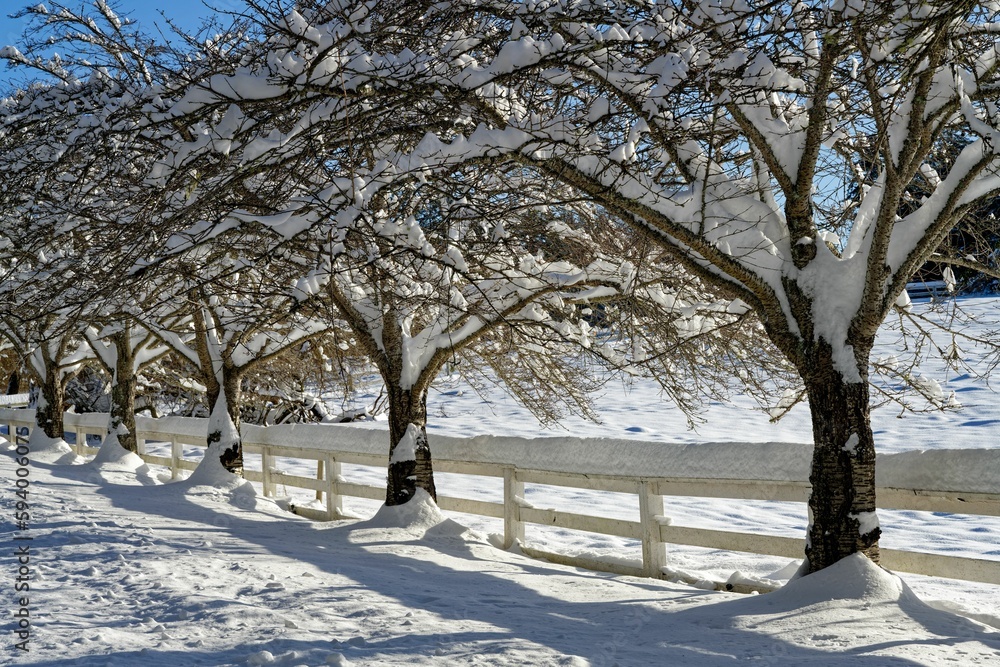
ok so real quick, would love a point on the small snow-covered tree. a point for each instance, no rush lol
(233, 318)
(423, 276)
(52, 352)
(123, 349)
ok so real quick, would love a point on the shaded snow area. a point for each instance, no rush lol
(128, 571)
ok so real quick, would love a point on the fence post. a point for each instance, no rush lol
(265, 469)
(654, 552)
(319, 476)
(334, 501)
(175, 457)
(140, 445)
(513, 496)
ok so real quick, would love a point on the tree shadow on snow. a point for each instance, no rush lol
(474, 591)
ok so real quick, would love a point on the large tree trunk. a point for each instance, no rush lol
(206, 363)
(224, 437)
(121, 421)
(410, 465)
(49, 405)
(842, 504)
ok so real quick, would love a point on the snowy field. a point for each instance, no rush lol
(130, 571)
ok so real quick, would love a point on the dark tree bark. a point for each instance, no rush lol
(123, 392)
(842, 503)
(410, 465)
(48, 396)
(14, 384)
(205, 362)
(50, 407)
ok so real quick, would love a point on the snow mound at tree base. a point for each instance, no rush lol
(50, 450)
(212, 476)
(852, 603)
(852, 578)
(420, 516)
(231, 486)
(113, 455)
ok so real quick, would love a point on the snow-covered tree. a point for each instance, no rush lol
(81, 150)
(123, 349)
(428, 273)
(52, 352)
(232, 319)
(416, 290)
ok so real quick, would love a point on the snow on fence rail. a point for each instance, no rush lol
(950, 481)
(14, 400)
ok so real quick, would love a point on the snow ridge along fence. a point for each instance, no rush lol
(14, 400)
(949, 481)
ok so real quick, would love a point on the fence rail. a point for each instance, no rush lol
(330, 446)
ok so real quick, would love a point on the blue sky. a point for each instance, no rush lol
(187, 13)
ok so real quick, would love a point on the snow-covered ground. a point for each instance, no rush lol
(129, 571)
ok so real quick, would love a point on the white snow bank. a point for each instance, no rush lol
(773, 461)
(968, 470)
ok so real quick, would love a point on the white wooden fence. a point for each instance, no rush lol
(928, 289)
(649, 470)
